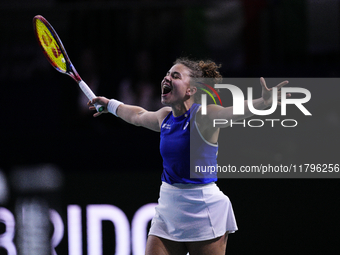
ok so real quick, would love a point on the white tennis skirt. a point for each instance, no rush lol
(191, 212)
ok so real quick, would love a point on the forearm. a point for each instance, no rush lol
(257, 104)
(130, 113)
(134, 115)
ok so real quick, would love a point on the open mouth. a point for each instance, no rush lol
(166, 89)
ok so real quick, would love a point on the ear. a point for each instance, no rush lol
(191, 91)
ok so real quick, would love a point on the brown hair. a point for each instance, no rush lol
(202, 69)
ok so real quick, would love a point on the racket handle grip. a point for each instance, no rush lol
(90, 95)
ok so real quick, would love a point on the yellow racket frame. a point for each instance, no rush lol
(50, 46)
(55, 52)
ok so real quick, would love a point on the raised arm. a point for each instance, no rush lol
(134, 115)
(218, 112)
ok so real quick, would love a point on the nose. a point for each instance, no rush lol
(167, 78)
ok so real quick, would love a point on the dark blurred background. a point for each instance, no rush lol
(122, 49)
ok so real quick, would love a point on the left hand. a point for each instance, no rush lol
(267, 94)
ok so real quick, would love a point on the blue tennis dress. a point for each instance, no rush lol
(189, 209)
(185, 152)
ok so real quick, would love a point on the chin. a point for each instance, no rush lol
(164, 102)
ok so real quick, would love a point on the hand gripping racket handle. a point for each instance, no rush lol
(90, 95)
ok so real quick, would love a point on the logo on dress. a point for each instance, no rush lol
(166, 126)
(186, 125)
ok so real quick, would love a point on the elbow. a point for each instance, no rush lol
(137, 119)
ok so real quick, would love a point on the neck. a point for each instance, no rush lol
(180, 109)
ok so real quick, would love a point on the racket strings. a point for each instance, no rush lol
(50, 46)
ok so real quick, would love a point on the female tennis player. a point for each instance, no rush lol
(192, 214)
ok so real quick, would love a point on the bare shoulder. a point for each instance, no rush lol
(150, 119)
(162, 113)
(153, 120)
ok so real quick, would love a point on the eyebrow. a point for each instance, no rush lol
(174, 73)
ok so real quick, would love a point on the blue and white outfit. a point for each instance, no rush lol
(189, 209)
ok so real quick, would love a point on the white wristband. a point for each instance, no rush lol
(112, 106)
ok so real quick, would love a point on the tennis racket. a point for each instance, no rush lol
(55, 52)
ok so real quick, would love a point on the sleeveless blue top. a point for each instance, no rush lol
(187, 156)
